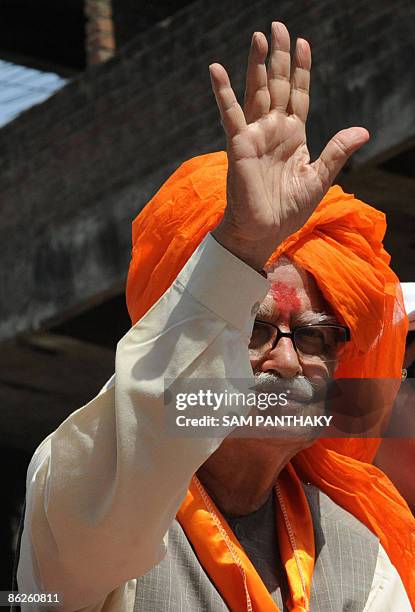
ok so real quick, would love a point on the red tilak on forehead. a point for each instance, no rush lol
(285, 298)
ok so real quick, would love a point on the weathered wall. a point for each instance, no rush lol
(75, 170)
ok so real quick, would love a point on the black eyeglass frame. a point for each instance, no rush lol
(291, 333)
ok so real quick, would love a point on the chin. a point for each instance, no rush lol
(290, 436)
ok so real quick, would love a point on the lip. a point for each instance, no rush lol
(301, 397)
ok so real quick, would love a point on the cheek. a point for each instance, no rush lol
(318, 370)
(286, 298)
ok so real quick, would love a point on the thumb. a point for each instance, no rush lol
(337, 151)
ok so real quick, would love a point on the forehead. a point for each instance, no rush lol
(293, 290)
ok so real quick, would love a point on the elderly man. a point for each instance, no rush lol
(116, 518)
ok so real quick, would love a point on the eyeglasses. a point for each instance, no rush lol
(322, 341)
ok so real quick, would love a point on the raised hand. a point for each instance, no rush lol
(272, 187)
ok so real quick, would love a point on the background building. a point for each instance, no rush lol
(76, 169)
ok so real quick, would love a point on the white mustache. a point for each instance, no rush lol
(300, 388)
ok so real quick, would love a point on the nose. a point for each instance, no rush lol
(282, 360)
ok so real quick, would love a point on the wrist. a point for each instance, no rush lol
(250, 252)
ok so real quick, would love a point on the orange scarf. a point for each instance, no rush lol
(225, 560)
(341, 246)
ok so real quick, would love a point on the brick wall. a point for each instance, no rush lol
(132, 17)
(75, 170)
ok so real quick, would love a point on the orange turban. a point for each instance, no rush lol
(341, 246)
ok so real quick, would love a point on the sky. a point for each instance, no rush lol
(21, 88)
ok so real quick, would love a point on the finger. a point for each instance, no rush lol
(233, 118)
(257, 98)
(279, 67)
(337, 152)
(300, 81)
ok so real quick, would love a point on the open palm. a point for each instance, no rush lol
(272, 187)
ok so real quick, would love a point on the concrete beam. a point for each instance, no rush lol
(43, 378)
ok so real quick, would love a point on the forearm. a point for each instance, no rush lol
(108, 483)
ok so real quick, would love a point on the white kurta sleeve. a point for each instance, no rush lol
(103, 489)
(387, 591)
